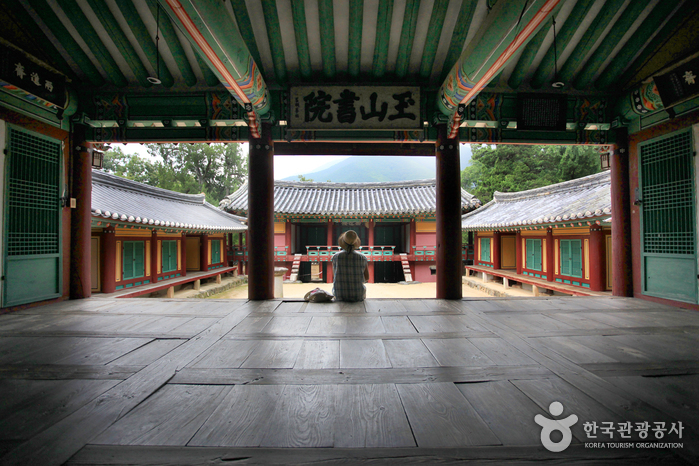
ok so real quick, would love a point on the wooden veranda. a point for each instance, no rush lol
(150, 381)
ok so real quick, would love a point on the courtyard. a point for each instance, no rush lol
(184, 381)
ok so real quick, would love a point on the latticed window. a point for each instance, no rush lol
(571, 257)
(485, 249)
(169, 256)
(133, 260)
(533, 254)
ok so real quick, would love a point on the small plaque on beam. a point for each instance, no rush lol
(541, 112)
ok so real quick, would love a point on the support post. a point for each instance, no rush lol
(597, 259)
(182, 244)
(496, 250)
(329, 266)
(80, 219)
(518, 252)
(204, 253)
(240, 247)
(549, 255)
(261, 216)
(622, 284)
(108, 260)
(448, 216)
(370, 242)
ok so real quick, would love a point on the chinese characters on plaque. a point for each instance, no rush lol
(20, 71)
(348, 107)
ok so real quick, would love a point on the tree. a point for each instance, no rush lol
(303, 178)
(216, 170)
(512, 168)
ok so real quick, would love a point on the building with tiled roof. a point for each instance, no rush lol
(367, 200)
(559, 233)
(395, 221)
(143, 235)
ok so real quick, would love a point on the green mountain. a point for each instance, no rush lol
(379, 168)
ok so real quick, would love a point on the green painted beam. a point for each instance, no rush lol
(598, 25)
(298, 13)
(93, 41)
(354, 53)
(274, 36)
(209, 76)
(434, 31)
(327, 36)
(139, 30)
(59, 30)
(525, 60)
(110, 24)
(407, 37)
(245, 26)
(612, 73)
(564, 34)
(611, 40)
(51, 54)
(167, 32)
(458, 38)
(383, 35)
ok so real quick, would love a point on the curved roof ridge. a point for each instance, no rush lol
(107, 179)
(354, 185)
(565, 186)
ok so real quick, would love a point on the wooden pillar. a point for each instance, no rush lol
(204, 252)
(183, 253)
(240, 258)
(550, 255)
(413, 236)
(80, 220)
(598, 268)
(370, 242)
(261, 216)
(154, 256)
(448, 216)
(329, 242)
(622, 284)
(108, 260)
(518, 252)
(496, 250)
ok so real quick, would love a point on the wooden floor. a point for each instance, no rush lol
(153, 381)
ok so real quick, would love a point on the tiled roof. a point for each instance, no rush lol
(128, 201)
(349, 199)
(585, 198)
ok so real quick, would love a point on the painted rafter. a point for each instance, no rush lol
(298, 12)
(434, 31)
(208, 27)
(407, 37)
(274, 35)
(458, 39)
(356, 22)
(327, 34)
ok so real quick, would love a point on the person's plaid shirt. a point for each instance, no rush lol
(348, 273)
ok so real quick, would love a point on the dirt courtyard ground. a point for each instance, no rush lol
(373, 290)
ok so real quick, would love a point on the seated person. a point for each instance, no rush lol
(350, 269)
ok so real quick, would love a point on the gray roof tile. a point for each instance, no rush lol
(125, 200)
(585, 198)
(338, 199)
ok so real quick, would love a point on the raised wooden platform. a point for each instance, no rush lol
(167, 284)
(156, 381)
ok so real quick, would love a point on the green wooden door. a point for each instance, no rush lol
(668, 217)
(571, 257)
(32, 251)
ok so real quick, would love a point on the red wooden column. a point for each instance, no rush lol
(80, 219)
(183, 253)
(329, 242)
(496, 250)
(240, 246)
(448, 216)
(154, 256)
(622, 284)
(370, 242)
(549, 255)
(518, 252)
(204, 253)
(261, 216)
(597, 259)
(108, 260)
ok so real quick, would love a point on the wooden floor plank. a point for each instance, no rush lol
(506, 410)
(529, 322)
(148, 353)
(252, 324)
(398, 324)
(370, 416)
(574, 351)
(327, 325)
(241, 419)
(352, 308)
(501, 352)
(278, 354)
(333, 307)
(409, 353)
(384, 306)
(364, 325)
(290, 307)
(319, 354)
(440, 416)
(170, 417)
(97, 350)
(616, 350)
(363, 354)
(456, 352)
(304, 417)
(288, 325)
(226, 353)
(662, 347)
(578, 321)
